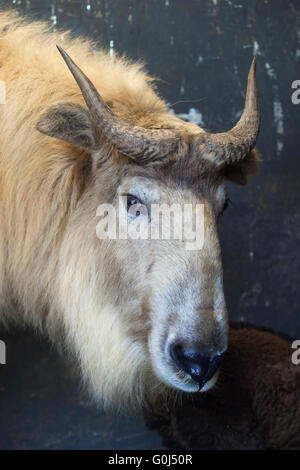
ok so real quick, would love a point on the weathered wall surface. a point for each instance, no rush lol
(202, 50)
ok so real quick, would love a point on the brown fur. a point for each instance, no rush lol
(255, 405)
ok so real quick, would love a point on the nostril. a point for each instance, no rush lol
(176, 353)
(190, 360)
(215, 363)
(200, 367)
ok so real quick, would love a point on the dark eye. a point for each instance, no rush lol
(133, 204)
(226, 204)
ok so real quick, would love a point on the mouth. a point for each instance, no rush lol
(187, 384)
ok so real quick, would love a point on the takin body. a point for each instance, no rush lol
(141, 317)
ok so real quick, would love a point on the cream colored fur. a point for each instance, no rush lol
(44, 276)
(54, 272)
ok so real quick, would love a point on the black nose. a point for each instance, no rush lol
(192, 361)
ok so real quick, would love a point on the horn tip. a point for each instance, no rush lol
(63, 53)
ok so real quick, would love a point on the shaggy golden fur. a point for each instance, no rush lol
(50, 274)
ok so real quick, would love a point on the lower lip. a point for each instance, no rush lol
(193, 386)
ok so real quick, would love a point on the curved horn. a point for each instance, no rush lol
(234, 145)
(136, 142)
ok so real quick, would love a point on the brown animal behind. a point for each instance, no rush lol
(255, 405)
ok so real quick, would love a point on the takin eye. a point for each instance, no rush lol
(226, 205)
(133, 205)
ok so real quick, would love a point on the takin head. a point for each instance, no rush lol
(146, 313)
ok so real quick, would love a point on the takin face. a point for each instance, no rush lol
(156, 310)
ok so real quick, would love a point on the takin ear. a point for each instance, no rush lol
(240, 172)
(70, 122)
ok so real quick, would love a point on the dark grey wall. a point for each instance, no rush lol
(202, 50)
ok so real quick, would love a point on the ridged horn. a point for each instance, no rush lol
(232, 146)
(138, 143)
